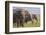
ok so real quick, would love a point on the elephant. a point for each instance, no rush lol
(21, 16)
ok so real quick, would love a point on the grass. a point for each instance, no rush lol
(30, 24)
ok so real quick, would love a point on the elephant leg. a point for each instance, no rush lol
(36, 20)
(32, 21)
(22, 23)
(18, 23)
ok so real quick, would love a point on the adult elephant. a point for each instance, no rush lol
(35, 17)
(20, 17)
(30, 17)
(27, 16)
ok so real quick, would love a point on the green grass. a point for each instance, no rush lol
(30, 24)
